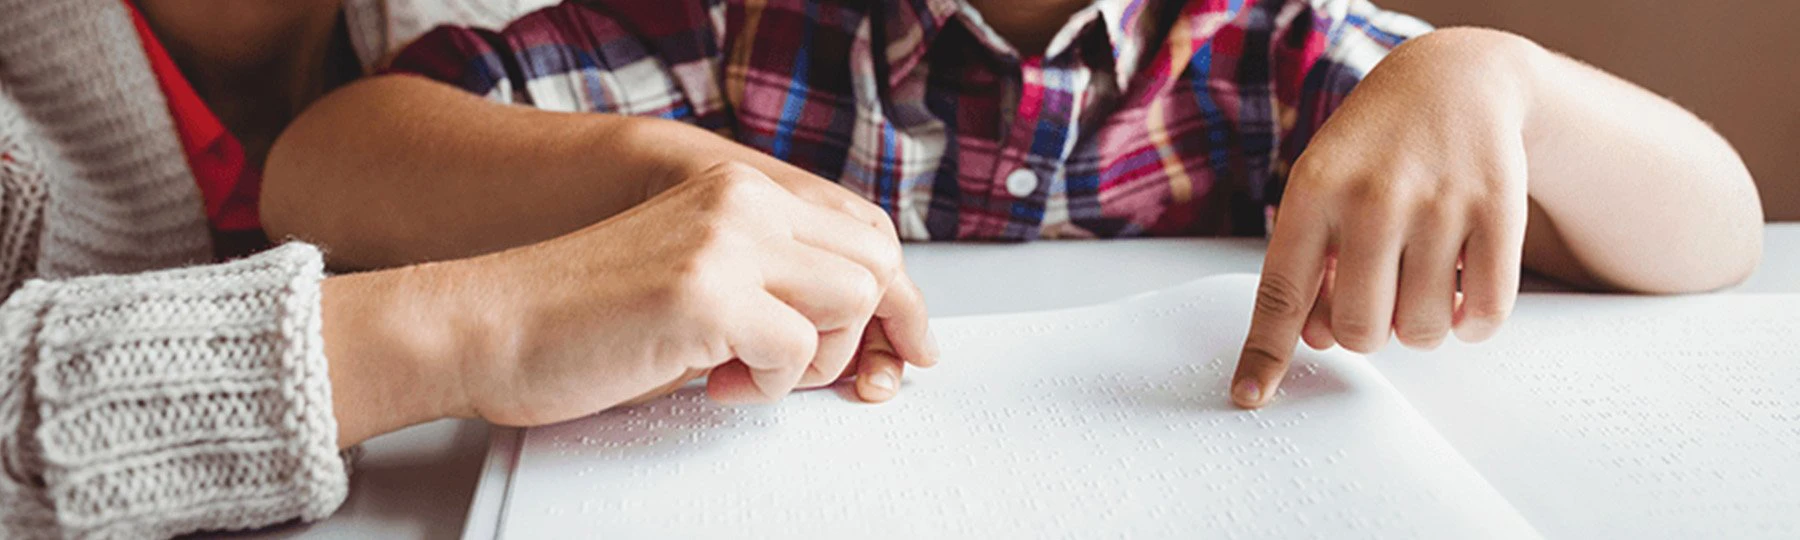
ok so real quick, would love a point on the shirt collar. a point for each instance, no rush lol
(194, 121)
(912, 27)
(1131, 27)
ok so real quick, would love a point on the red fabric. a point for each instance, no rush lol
(227, 183)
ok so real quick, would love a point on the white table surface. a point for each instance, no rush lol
(418, 482)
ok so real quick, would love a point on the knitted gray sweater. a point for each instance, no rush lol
(141, 395)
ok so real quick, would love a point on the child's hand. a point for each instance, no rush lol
(1413, 177)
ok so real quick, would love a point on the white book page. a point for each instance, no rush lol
(1615, 417)
(1105, 421)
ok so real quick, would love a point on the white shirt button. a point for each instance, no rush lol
(1021, 183)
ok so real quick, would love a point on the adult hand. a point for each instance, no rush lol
(727, 274)
(877, 351)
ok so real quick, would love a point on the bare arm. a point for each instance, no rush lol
(400, 169)
(445, 175)
(726, 275)
(1642, 194)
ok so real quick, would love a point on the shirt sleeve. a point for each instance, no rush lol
(163, 403)
(611, 56)
(1321, 50)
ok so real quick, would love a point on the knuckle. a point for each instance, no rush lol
(708, 234)
(1373, 222)
(865, 294)
(1260, 357)
(867, 212)
(1279, 297)
(888, 261)
(864, 210)
(710, 242)
(1370, 195)
(851, 206)
(1421, 332)
(815, 377)
(883, 223)
(1434, 214)
(725, 170)
(1505, 215)
(1357, 334)
(804, 342)
(731, 185)
(740, 188)
(1485, 311)
(1311, 167)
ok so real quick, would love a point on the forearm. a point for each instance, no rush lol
(1646, 195)
(445, 175)
(400, 169)
(393, 354)
(402, 344)
(1631, 191)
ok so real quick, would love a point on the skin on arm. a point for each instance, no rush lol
(724, 275)
(1481, 150)
(461, 176)
(457, 175)
(394, 355)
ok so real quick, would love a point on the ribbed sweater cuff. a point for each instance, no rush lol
(181, 400)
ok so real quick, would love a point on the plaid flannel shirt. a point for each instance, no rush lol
(1143, 117)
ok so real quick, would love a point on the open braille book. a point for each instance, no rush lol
(1588, 417)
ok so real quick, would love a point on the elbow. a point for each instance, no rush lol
(276, 211)
(297, 201)
(1743, 251)
(1725, 254)
(1707, 239)
(304, 187)
(1733, 267)
(1721, 266)
(1739, 250)
(307, 192)
(282, 205)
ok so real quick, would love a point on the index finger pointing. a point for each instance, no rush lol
(1290, 284)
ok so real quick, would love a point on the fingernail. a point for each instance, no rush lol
(883, 380)
(1247, 392)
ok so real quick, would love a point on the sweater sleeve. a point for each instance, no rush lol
(168, 402)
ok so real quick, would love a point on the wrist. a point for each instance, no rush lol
(676, 152)
(667, 152)
(1497, 70)
(394, 348)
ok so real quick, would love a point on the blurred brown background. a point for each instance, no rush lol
(1736, 63)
